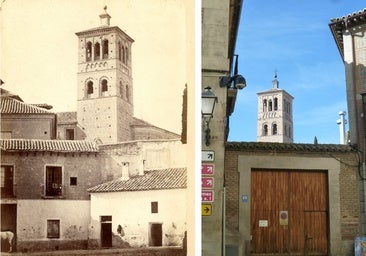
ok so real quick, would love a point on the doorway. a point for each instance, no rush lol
(289, 212)
(156, 234)
(106, 231)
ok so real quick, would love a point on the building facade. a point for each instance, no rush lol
(275, 122)
(349, 35)
(288, 198)
(220, 21)
(49, 160)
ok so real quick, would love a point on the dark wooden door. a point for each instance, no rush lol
(156, 234)
(289, 212)
(106, 234)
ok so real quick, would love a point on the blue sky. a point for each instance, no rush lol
(292, 37)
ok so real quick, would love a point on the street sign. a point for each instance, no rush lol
(208, 156)
(206, 209)
(207, 182)
(207, 196)
(207, 169)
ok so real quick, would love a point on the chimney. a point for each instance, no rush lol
(342, 124)
(125, 171)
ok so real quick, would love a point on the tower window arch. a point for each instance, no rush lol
(120, 89)
(105, 49)
(89, 89)
(123, 55)
(270, 105)
(97, 51)
(264, 105)
(127, 93)
(104, 87)
(126, 51)
(275, 104)
(265, 130)
(119, 51)
(274, 129)
(88, 50)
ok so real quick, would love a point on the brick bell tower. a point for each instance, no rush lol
(275, 122)
(105, 88)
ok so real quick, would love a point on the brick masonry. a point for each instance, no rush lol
(348, 190)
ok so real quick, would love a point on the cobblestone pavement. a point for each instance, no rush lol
(150, 251)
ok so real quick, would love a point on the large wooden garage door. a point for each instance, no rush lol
(289, 213)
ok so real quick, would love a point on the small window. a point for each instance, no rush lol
(264, 105)
(88, 51)
(89, 89)
(107, 218)
(274, 129)
(97, 51)
(119, 51)
(6, 181)
(53, 228)
(270, 105)
(265, 130)
(104, 88)
(275, 104)
(73, 181)
(53, 181)
(70, 134)
(154, 207)
(105, 49)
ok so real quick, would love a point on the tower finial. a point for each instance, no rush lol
(105, 17)
(275, 82)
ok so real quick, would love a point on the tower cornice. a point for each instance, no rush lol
(98, 30)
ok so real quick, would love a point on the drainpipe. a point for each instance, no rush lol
(223, 221)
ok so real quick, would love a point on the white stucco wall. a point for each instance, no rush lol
(132, 210)
(32, 216)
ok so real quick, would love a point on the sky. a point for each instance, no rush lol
(40, 49)
(294, 39)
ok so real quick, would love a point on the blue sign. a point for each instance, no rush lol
(244, 198)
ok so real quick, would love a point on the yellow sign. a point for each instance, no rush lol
(206, 209)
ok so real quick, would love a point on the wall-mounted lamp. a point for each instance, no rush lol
(209, 100)
(238, 81)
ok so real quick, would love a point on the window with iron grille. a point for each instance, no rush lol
(53, 181)
(6, 180)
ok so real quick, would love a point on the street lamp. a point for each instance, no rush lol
(209, 100)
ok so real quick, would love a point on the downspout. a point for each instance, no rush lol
(223, 220)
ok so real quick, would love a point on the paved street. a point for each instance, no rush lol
(150, 251)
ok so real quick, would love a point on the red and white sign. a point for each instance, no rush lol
(207, 196)
(207, 169)
(207, 182)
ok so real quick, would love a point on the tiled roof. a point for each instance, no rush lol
(10, 105)
(171, 178)
(337, 26)
(286, 147)
(33, 145)
(67, 117)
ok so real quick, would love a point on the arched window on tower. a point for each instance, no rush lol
(264, 105)
(104, 89)
(275, 104)
(123, 55)
(270, 105)
(97, 51)
(274, 129)
(126, 51)
(88, 53)
(127, 91)
(119, 51)
(89, 89)
(265, 130)
(105, 49)
(120, 89)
